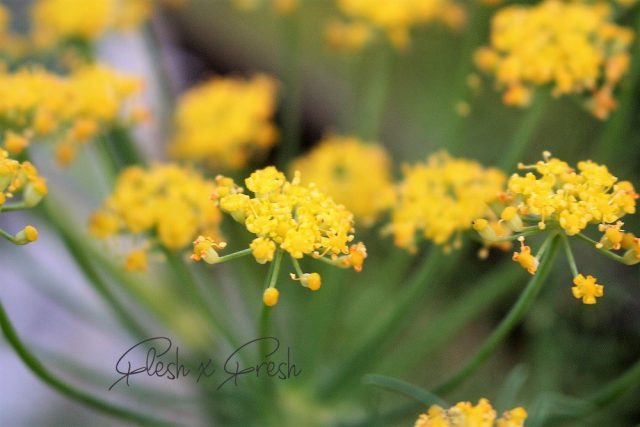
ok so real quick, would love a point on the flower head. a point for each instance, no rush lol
(70, 110)
(525, 259)
(165, 205)
(572, 198)
(86, 20)
(396, 18)
(584, 52)
(226, 121)
(465, 414)
(356, 174)
(441, 197)
(289, 217)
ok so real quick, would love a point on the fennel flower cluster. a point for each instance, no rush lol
(57, 21)
(440, 198)
(395, 18)
(225, 121)
(36, 104)
(559, 198)
(162, 205)
(355, 173)
(20, 179)
(575, 47)
(286, 217)
(465, 414)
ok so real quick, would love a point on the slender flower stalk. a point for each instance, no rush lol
(81, 396)
(511, 320)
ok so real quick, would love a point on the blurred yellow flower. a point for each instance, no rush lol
(36, 105)
(395, 18)
(465, 414)
(164, 204)
(585, 52)
(85, 20)
(355, 173)
(441, 198)
(225, 121)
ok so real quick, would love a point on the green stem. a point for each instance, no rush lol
(14, 207)
(235, 255)
(81, 396)
(523, 135)
(480, 297)
(8, 236)
(374, 101)
(270, 282)
(606, 252)
(402, 387)
(187, 283)
(570, 259)
(363, 355)
(92, 276)
(505, 327)
(292, 81)
(125, 147)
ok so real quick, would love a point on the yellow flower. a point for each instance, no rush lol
(525, 259)
(585, 52)
(263, 249)
(464, 414)
(356, 174)
(136, 260)
(298, 218)
(270, 297)
(441, 198)
(587, 289)
(66, 109)
(62, 20)
(166, 204)
(204, 248)
(226, 121)
(288, 216)
(16, 177)
(573, 199)
(396, 18)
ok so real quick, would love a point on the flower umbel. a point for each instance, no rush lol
(585, 52)
(465, 414)
(287, 216)
(225, 122)
(440, 198)
(355, 173)
(163, 205)
(560, 199)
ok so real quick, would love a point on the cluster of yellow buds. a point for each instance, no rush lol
(584, 52)
(286, 216)
(56, 21)
(36, 104)
(20, 178)
(283, 7)
(395, 18)
(561, 199)
(441, 198)
(162, 205)
(355, 173)
(225, 121)
(465, 414)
